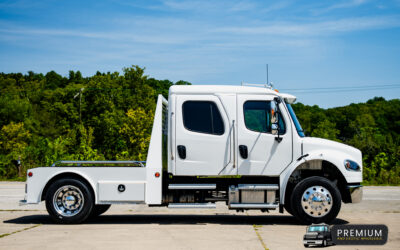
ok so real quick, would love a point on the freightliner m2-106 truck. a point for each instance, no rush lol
(237, 144)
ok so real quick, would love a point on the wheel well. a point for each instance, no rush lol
(321, 168)
(66, 176)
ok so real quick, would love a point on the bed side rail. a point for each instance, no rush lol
(99, 163)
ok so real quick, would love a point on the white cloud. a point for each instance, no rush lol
(347, 4)
(340, 5)
(315, 28)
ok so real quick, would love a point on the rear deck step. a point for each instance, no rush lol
(192, 186)
(192, 205)
(254, 205)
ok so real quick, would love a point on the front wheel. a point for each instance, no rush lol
(69, 201)
(315, 200)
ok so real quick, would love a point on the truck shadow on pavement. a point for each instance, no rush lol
(166, 219)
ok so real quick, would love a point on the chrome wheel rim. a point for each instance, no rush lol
(316, 201)
(68, 200)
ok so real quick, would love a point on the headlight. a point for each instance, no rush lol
(351, 166)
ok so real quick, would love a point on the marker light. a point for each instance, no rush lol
(157, 174)
(30, 174)
(351, 166)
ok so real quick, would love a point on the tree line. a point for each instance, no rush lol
(49, 117)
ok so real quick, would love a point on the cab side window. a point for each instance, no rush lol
(202, 117)
(257, 117)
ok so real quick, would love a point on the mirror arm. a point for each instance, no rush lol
(278, 138)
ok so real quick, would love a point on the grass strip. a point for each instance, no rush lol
(256, 227)
(18, 231)
(18, 210)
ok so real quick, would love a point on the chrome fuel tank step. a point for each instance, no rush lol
(253, 196)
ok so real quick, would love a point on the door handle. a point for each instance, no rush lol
(243, 151)
(182, 151)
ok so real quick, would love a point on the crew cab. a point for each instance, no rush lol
(235, 144)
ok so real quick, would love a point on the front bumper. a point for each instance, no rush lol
(312, 242)
(355, 192)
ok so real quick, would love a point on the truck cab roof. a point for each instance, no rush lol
(227, 89)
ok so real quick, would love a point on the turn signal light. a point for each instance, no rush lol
(157, 174)
(30, 174)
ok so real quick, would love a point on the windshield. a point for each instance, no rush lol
(317, 229)
(296, 122)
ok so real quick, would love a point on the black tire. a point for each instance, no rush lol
(324, 243)
(85, 207)
(305, 245)
(296, 200)
(99, 210)
(288, 208)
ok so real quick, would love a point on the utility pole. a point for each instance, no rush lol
(80, 103)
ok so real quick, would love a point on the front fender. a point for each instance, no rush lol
(336, 158)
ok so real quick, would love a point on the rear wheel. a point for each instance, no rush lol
(69, 201)
(99, 209)
(315, 200)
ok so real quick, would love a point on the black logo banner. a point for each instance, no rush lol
(359, 234)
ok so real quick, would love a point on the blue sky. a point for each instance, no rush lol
(308, 44)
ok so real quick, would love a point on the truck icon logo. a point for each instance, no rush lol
(318, 235)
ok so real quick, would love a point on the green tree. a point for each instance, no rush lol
(137, 131)
(326, 129)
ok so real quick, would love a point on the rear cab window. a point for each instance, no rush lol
(202, 117)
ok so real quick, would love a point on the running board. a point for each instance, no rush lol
(253, 205)
(192, 186)
(192, 205)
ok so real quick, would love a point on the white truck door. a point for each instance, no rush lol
(203, 138)
(259, 153)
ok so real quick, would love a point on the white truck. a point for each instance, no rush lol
(237, 144)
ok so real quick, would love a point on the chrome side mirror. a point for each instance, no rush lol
(275, 119)
(274, 128)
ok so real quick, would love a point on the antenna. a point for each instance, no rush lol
(268, 84)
